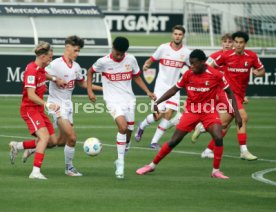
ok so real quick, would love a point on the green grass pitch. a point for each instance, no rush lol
(181, 182)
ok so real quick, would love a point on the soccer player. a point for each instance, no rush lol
(238, 64)
(201, 83)
(118, 69)
(32, 108)
(172, 58)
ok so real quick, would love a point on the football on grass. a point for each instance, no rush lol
(92, 146)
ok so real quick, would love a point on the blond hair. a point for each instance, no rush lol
(42, 48)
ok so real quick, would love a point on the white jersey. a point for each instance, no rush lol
(171, 62)
(60, 69)
(117, 77)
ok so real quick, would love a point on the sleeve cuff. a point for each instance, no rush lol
(135, 75)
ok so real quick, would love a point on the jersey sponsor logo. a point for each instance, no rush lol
(149, 75)
(31, 79)
(240, 70)
(70, 84)
(190, 88)
(118, 76)
(172, 63)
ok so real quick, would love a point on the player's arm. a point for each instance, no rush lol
(168, 94)
(83, 84)
(235, 106)
(90, 92)
(138, 80)
(258, 72)
(147, 64)
(59, 82)
(37, 100)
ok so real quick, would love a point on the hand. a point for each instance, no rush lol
(245, 100)
(52, 106)
(152, 96)
(255, 72)
(61, 83)
(92, 97)
(145, 67)
(155, 110)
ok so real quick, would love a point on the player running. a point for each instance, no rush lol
(172, 58)
(32, 109)
(201, 83)
(118, 69)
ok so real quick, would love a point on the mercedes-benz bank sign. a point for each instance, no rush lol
(139, 22)
(12, 70)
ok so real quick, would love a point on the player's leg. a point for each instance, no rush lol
(67, 133)
(242, 138)
(187, 123)
(129, 116)
(163, 125)
(216, 132)
(165, 150)
(43, 138)
(122, 125)
(199, 129)
(226, 120)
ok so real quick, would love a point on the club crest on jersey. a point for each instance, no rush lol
(207, 83)
(149, 75)
(128, 67)
(37, 122)
(246, 64)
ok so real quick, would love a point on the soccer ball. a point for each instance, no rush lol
(92, 146)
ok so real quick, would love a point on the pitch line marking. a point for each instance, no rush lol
(259, 176)
(147, 149)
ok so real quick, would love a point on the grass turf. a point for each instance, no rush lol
(181, 182)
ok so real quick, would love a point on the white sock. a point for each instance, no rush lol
(121, 146)
(161, 129)
(147, 121)
(69, 153)
(19, 145)
(152, 165)
(215, 170)
(36, 169)
(243, 148)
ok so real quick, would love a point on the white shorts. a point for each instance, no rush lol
(171, 103)
(66, 112)
(126, 110)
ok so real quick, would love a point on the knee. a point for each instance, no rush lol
(218, 140)
(123, 129)
(72, 138)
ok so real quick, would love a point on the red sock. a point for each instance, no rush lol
(211, 145)
(242, 138)
(162, 153)
(218, 150)
(38, 159)
(30, 144)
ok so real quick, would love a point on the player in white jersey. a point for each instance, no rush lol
(118, 69)
(172, 58)
(69, 71)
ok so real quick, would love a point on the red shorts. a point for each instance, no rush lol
(239, 101)
(35, 120)
(188, 121)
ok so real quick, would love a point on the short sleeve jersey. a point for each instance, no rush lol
(34, 77)
(171, 61)
(70, 74)
(237, 69)
(117, 77)
(201, 88)
(214, 57)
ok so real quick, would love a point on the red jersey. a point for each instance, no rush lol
(34, 77)
(237, 69)
(201, 88)
(214, 57)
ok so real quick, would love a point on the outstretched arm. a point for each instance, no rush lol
(138, 80)
(147, 64)
(169, 93)
(258, 73)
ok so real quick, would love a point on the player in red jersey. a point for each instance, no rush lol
(201, 83)
(238, 63)
(32, 107)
